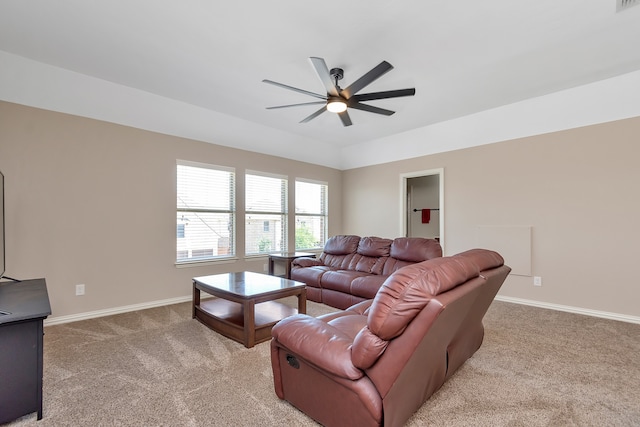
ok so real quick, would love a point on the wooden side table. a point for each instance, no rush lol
(286, 258)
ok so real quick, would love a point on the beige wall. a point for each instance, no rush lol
(577, 189)
(92, 202)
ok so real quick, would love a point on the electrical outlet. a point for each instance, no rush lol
(537, 281)
(80, 289)
(265, 267)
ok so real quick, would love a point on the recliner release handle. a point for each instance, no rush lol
(292, 361)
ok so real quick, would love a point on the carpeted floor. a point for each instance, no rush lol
(158, 367)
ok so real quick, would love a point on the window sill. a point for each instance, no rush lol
(256, 257)
(189, 264)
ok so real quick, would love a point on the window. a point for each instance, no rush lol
(205, 212)
(311, 214)
(265, 213)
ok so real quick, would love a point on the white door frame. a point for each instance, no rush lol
(404, 209)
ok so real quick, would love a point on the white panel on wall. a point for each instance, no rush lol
(512, 242)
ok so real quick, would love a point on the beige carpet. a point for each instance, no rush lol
(158, 367)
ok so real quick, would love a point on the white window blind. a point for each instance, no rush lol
(265, 213)
(205, 228)
(311, 214)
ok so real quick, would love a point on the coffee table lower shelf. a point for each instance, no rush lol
(227, 318)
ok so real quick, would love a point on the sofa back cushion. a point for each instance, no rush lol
(339, 251)
(483, 258)
(377, 255)
(341, 245)
(409, 290)
(415, 249)
(405, 251)
(374, 246)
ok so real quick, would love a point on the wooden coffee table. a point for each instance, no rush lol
(245, 309)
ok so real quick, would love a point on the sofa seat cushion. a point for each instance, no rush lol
(319, 343)
(340, 280)
(309, 275)
(348, 322)
(367, 286)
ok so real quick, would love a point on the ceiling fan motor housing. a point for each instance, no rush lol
(337, 73)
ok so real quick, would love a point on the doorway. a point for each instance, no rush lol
(422, 209)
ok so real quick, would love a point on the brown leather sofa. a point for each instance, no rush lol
(377, 362)
(351, 268)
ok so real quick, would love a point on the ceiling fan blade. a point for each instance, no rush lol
(346, 120)
(384, 95)
(375, 73)
(370, 108)
(296, 105)
(314, 115)
(295, 89)
(323, 73)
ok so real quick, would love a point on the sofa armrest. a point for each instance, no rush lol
(361, 308)
(306, 262)
(318, 343)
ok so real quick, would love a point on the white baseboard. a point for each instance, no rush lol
(111, 311)
(127, 308)
(570, 309)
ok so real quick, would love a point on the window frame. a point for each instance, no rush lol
(323, 215)
(232, 212)
(283, 213)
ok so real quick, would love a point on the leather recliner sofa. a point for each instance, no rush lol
(377, 362)
(351, 268)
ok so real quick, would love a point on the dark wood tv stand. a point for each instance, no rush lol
(24, 306)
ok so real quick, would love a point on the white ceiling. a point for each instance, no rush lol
(194, 68)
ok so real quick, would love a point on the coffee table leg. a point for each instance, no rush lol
(196, 300)
(302, 301)
(249, 323)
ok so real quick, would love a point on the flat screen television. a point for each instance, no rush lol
(2, 260)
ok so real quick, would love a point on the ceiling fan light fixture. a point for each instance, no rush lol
(336, 105)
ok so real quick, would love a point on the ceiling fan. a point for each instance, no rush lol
(337, 100)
